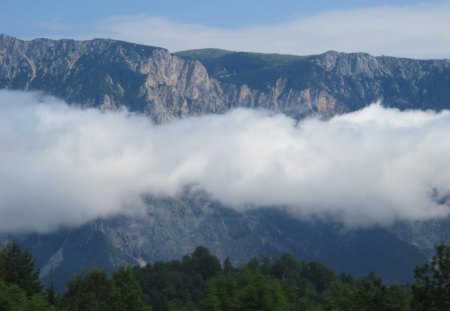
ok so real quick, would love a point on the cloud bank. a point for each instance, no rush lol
(416, 31)
(61, 165)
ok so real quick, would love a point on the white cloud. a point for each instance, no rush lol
(61, 165)
(418, 31)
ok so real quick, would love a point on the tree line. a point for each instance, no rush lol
(199, 281)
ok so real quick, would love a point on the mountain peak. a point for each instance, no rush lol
(5, 37)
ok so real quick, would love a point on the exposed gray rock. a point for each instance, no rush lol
(423, 235)
(108, 74)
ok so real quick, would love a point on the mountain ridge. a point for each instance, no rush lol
(107, 74)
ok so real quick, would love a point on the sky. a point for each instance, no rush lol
(416, 29)
(63, 166)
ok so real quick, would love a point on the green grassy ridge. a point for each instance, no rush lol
(201, 54)
(271, 59)
(257, 70)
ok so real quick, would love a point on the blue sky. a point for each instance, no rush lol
(20, 17)
(400, 28)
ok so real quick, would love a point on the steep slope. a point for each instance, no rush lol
(173, 227)
(423, 235)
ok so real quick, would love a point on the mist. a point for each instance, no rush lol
(61, 165)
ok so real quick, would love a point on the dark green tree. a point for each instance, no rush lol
(17, 267)
(249, 289)
(318, 275)
(89, 292)
(221, 293)
(398, 298)
(178, 284)
(431, 289)
(228, 266)
(14, 298)
(259, 292)
(126, 294)
(339, 296)
(370, 293)
(51, 295)
(50, 291)
(202, 262)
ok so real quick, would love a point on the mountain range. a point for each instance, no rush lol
(109, 74)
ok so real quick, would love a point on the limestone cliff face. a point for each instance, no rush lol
(108, 74)
(178, 88)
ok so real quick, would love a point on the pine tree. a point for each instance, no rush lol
(17, 267)
(92, 291)
(431, 290)
(126, 291)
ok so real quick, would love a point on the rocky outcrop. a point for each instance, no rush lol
(178, 88)
(108, 74)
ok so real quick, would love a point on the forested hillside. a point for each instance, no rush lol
(201, 282)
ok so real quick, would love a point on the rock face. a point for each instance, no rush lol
(108, 74)
(329, 83)
(423, 235)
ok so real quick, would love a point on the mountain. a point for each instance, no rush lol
(348, 80)
(173, 227)
(108, 74)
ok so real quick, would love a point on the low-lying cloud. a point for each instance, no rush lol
(61, 165)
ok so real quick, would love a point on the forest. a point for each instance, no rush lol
(199, 281)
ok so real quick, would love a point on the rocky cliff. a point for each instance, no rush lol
(108, 74)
